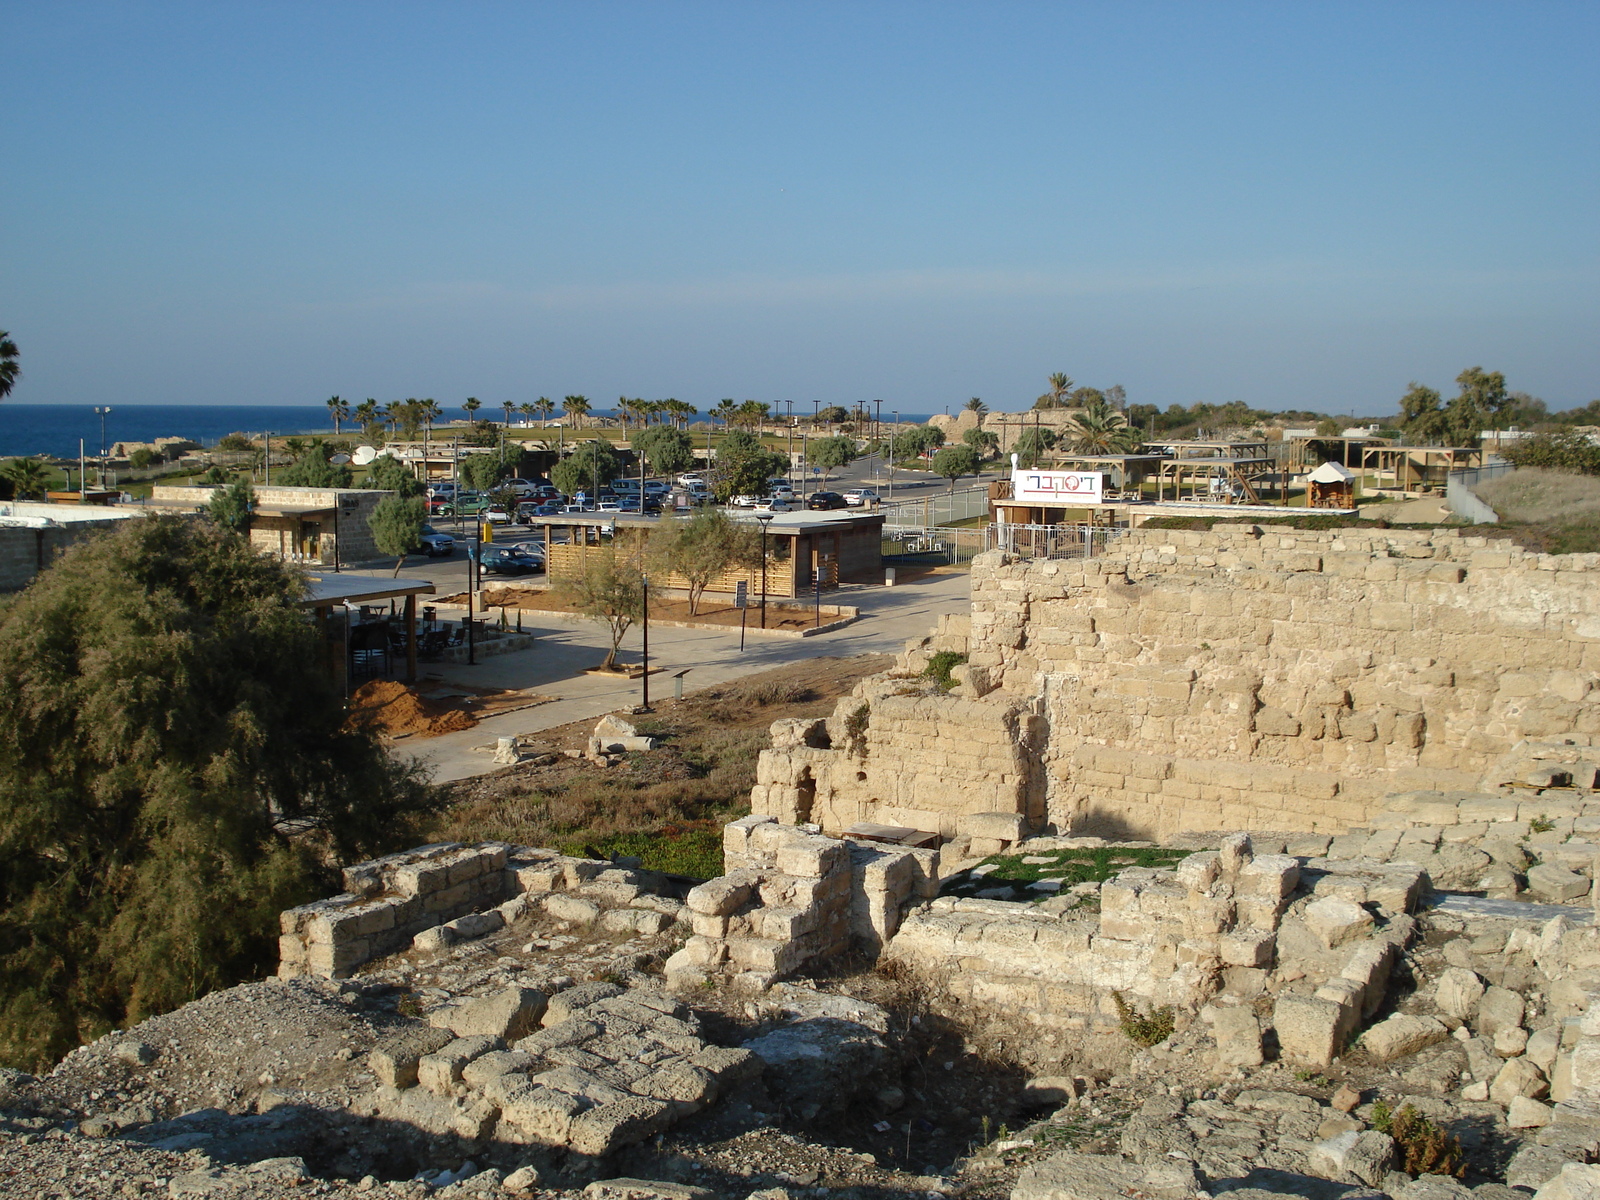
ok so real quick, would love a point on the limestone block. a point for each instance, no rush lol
(1518, 1077)
(1271, 875)
(1238, 1035)
(1069, 1176)
(1246, 948)
(1458, 993)
(998, 826)
(620, 1123)
(475, 925)
(1335, 921)
(497, 1063)
(571, 910)
(1581, 1068)
(1310, 1031)
(434, 941)
(509, 1014)
(1542, 1047)
(1353, 1157)
(687, 1088)
(1511, 1041)
(1401, 1035)
(1234, 853)
(1499, 1008)
(1199, 871)
(1555, 884)
(542, 1114)
(722, 896)
(394, 1059)
(1576, 1181)
(440, 1071)
(1524, 1112)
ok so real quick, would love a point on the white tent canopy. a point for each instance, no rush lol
(1331, 472)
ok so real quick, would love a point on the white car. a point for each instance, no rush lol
(608, 506)
(861, 497)
(443, 488)
(776, 504)
(691, 480)
(744, 501)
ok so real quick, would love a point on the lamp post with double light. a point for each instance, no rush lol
(765, 519)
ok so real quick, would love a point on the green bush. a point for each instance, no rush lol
(940, 665)
(1143, 1029)
(1425, 1149)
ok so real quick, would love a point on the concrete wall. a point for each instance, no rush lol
(32, 534)
(1245, 677)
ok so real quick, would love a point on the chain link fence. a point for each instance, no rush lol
(916, 545)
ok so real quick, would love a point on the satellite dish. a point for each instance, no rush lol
(339, 460)
(364, 455)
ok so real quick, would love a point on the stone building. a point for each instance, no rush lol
(321, 526)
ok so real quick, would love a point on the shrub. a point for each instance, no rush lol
(940, 665)
(1425, 1149)
(1142, 1029)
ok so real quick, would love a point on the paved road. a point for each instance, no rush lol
(555, 664)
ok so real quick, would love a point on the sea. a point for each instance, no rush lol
(55, 429)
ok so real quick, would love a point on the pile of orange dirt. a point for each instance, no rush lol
(391, 709)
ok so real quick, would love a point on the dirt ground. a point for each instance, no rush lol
(393, 710)
(703, 771)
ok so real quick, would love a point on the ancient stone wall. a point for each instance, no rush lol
(1245, 677)
(429, 897)
(791, 898)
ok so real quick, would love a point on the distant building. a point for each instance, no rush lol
(320, 526)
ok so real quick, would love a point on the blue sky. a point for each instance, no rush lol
(1296, 205)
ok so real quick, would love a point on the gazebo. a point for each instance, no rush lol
(1331, 486)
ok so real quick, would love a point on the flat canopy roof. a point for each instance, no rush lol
(291, 510)
(1215, 460)
(1430, 449)
(325, 591)
(1113, 458)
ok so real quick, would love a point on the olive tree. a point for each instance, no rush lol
(608, 586)
(703, 548)
(396, 525)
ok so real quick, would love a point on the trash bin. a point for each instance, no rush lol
(888, 577)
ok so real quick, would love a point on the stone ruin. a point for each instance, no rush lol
(1244, 677)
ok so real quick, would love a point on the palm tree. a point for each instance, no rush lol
(339, 411)
(526, 409)
(624, 411)
(976, 405)
(1101, 429)
(507, 406)
(683, 410)
(28, 476)
(9, 371)
(471, 407)
(545, 407)
(367, 413)
(725, 409)
(576, 407)
(1056, 397)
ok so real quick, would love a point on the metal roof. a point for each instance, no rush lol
(324, 591)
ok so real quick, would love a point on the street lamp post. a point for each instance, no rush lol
(102, 412)
(645, 625)
(892, 436)
(764, 518)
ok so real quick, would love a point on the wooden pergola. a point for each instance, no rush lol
(325, 593)
(1414, 467)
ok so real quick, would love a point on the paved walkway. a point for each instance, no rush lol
(554, 665)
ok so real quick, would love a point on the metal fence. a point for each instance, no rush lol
(1461, 498)
(912, 545)
(937, 508)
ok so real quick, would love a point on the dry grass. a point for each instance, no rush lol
(1536, 495)
(702, 774)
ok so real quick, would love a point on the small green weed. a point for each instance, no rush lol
(1541, 825)
(1315, 1078)
(939, 666)
(1425, 1149)
(695, 851)
(855, 729)
(409, 1005)
(1142, 1029)
(1069, 866)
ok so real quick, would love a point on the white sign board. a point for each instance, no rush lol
(1058, 489)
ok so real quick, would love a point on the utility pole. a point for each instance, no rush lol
(765, 519)
(645, 678)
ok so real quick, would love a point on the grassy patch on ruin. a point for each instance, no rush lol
(694, 850)
(1013, 876)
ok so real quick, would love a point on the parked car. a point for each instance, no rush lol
(690, 479)
(437, 505)
(496, 514)
(861, 497)
(775, 504)
(522, 487)
(465, 504)
(608, 506)
(509, 560)
(442, 488)
(744, 501)
(825, 501)
(436, 544)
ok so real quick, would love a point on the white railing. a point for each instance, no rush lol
(933, 509)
